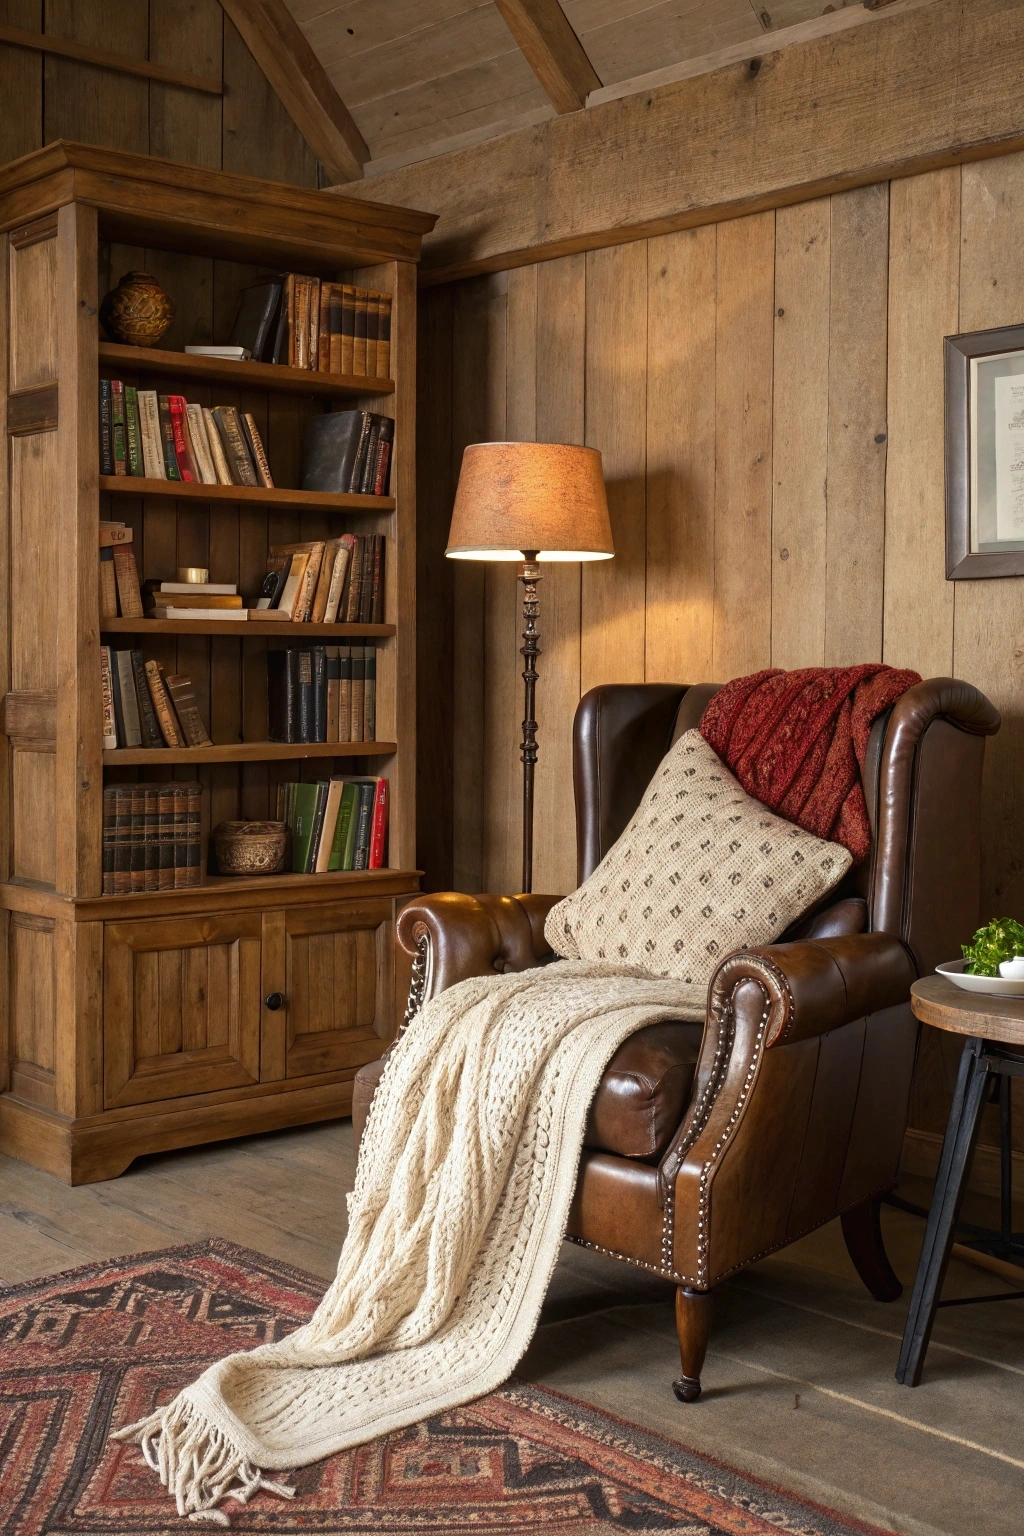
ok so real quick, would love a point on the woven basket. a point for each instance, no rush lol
(251, 847)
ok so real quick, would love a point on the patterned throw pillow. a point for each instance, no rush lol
(701, 870)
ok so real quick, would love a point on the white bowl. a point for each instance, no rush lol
(998, 986)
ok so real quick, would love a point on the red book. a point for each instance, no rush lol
(182, 441)
(378, 826)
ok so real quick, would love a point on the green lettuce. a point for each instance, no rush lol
(1000, 939)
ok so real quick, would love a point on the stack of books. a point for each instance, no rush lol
(348, 453)
(328, 693)
(119, 575)
(143, 707)
(151, 837)
(193, 600)
(163, 437)
(308, 323)
(325, 581)
(335, 824)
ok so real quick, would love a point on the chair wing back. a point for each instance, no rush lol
(922, 782)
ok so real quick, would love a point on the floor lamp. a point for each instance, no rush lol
(530, 502)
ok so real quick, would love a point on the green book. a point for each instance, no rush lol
(307, 813)
(117, 434)
(133, 430)
(343, 847)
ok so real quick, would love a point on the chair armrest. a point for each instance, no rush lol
(451, 936)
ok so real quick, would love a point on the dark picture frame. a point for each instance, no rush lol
(983, 498)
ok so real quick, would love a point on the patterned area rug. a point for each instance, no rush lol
(98, 1347)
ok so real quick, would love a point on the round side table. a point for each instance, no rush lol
(994, 1047)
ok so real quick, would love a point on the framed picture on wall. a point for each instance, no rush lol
(985, 453)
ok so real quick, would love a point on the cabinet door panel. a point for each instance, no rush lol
(332, 966)
(181, 1007)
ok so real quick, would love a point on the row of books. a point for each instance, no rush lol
(326, 581)
(165, 437)
(348, 453)
(328, 693)
(143, 707)
(308, 323)
(151, 837)
(335, 823)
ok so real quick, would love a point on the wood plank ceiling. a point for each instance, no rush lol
(416, 73)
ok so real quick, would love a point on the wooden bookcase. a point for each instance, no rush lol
(138, 1023)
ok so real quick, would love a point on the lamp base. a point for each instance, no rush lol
(529, 575)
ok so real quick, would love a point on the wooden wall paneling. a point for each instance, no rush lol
(33, 1044)
(5, 619)
(183, 124)
(612, 603)
(800, 433)
(855, 519)
(21, 84)
(743, 419)
(478, 415)
(435, 584)
(924, 261)
(560, 418)
(260, 138)
(33, 314)
(78, 981)
(681, 455)
(86, 103)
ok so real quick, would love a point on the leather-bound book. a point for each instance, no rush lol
(369, 693)
(358, 691)
(368, 472)
(180, 829)
(109, 837)
(161, 703)
(323, 338)
(106, 430)
(329, 450)
(355, 580)
(380, 545)
(379, 825)
(384, 338)
(348, 326)
(305, 696)
(122, 839)
(301, 323)
(107, 692)
(193, 853)
(345, 693)
(186, 707)
(254, 443)
(163, 406)
(282, 695)
(108, 583)
(257, 307)
(153, 463)
(165, 836)
(117, 427)
(148, 723)
(229, 425)
(124, 681)
(333, 692)
(385, 449)
(334, 327)
(182, 442)
(313, 344)
(372, 320)
(289, 347)
(127, 576)
(151, 838)
(359, 336)
(133, 431)
(137, 862)
(319, 655)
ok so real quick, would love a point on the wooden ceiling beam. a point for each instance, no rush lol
(549, 45)
(279, 46)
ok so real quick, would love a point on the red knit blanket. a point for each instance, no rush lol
(797, 740)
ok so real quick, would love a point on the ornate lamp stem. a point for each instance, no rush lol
(529, 575)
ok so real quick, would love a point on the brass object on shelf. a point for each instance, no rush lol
(195, 575)
(251, 847)
(137, 311)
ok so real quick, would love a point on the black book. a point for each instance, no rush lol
(276, 348)
(319, 655)
(115, 689)
(152, 736)
(362, 853)
(151, 844)
(283, 695)
(385, 448)
(380, 545)
(106, 430)
(257, 307)
(356, 479)
(322, 790)
(273, 586)
(369, 473)
(329, 450)
(109, 837)
(305, 692)
(371, 568)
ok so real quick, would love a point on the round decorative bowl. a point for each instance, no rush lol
(251, 847)
(995, 986)
(136, 312)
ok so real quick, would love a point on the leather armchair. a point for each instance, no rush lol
(708, 1147)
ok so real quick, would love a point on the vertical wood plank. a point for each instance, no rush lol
(260, 138)
(855, 523)
(612, 628)
(186, 125)
(90, 104)
(681, 456)
(800, 433)
(561, 353)
(21, 84)
(743, 471)
(924, 240)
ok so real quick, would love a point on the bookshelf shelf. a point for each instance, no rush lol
(241, 629)
(247, 752)
(219, 370)
(236, 495)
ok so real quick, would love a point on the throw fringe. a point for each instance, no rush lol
(197, 1462)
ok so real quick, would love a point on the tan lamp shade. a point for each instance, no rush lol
(515, 497)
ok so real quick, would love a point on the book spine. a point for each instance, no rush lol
(334, 328)
(220, 464)
(379, 826)
(370, 693)
(369, 471)
(200, 444)
(384, 339)
(122, 839)
(318, 829)
(108, 584)
(319, 654)
(380, 545)
(117, 438)
(385, 445)
(356, 477)
(137, 857)
(115, 691)
(259, 453)
(305, 701)
(348, 326)
(345, 693)
(323, 581)
(182, 447)
(194, 803)
(323, 339)
(362, 850)
(107, 693)
(152, 441)
(124, 680)
(288, 305)
(302, 290)
(109, 837)
(180, 836)
(133, 430)
(106, 431)
(127, 574)
(358, 688)
(150, 726)
(165, 836)
(313, 344)
(151, 836)
(186, 707)
(366, 586)
(230, 427)
(161, 704)
(163, 406)
(359, 336)
(333, 692)
(341, 563)
(307, 588)
(350, 598)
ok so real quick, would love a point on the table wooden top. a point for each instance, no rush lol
(941, 1003)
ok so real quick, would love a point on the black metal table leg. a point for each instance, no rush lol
(961, 1132)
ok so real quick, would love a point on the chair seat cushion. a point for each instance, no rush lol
(644, 1092)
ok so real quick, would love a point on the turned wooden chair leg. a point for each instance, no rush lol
(693, 1325)
(862, 1229)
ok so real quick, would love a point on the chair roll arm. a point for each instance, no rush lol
(775, 995)
(450, 936)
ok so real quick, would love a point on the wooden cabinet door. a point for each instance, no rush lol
(332, 968)
(181, 1006)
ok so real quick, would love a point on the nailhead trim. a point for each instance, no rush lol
(418, 985)
(653, 1269)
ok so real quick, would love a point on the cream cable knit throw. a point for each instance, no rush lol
(461, 1198)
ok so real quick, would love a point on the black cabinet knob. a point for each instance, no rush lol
(274, 1000)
